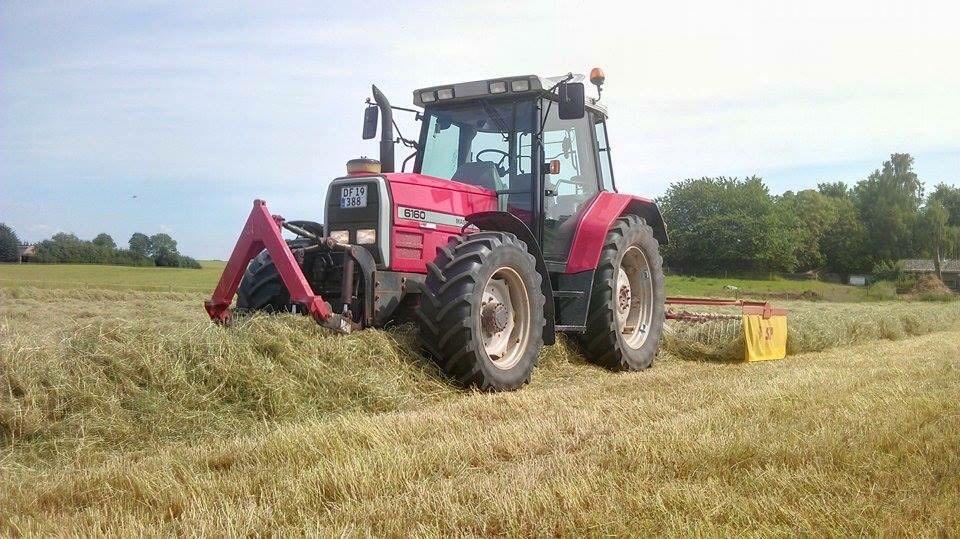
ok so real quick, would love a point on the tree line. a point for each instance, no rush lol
(732, 224)
(716, 225)
(64, 248)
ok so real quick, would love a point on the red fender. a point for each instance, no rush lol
(599, 217)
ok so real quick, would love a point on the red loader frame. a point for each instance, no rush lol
(263, 231)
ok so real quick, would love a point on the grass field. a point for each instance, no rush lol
(204, 280)
(61, 276)
(130, 414)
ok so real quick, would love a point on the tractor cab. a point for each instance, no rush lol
(537, 142)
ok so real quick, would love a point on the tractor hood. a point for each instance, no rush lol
(436, 201)
(429, 182)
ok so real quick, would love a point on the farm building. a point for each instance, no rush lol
(949, 268)
(27, 252)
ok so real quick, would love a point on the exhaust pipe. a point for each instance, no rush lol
(386, 130)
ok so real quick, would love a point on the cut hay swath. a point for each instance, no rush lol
(726, 329)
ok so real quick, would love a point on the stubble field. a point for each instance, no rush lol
(122, 410)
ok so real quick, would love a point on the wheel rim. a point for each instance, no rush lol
(505, 318)
(633, 297)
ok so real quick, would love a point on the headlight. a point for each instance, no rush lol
(445, 93)
(428, 97)
(520, 85)
(340, 236)
(497, 87)
(366, 236)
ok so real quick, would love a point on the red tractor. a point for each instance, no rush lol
(508, 230)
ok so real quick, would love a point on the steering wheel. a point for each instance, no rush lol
(501, 170)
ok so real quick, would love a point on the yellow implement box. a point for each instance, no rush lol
(765, 333)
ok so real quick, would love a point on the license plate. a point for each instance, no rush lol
(353, 196)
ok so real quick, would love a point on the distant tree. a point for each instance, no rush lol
(167, 259)
(834, 189)
(67, 248)
(140, 244)
(162, 245)
(64, 247)
(810, 214)
(888, 202)
(936, 234)
(843, 242)
(9, 244)
(949, 197)
(104, 240)
(719, 224)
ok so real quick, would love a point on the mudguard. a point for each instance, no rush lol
(502, 221)
(592, 230)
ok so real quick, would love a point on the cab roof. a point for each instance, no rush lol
(469, 91)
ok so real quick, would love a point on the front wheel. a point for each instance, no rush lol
(626, 314)
(481, 314)
(262, 288)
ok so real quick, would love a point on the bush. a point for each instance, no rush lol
(882, 290)
(888, 270)
(907, 283)
(188, 262)
(126, 257)
(9, 244)
(167, 259)
(937, 296)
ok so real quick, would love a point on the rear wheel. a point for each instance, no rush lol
(626, 314)
(481, 314)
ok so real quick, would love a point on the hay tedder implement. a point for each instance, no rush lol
(758, 326)
(508, 230)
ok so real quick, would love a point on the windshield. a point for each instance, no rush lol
(482, 143)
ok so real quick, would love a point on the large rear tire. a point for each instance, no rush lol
(481, 312)
(626, 314)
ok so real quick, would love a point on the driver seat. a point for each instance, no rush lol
(480, 173)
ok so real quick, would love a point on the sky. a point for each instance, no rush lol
(172, 117)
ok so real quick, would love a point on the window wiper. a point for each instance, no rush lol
(497, 119)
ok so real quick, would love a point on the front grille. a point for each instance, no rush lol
(409, 245)
(373, 215)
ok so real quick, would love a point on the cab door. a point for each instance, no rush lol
(569, 193)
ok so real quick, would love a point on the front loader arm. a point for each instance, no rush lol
(263, 231)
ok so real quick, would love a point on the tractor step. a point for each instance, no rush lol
(568, 293)
(571, 329)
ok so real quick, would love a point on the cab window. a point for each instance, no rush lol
(443, 142)
(478, 143)
(603, 152)
(569, 192)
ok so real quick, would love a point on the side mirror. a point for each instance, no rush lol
(370, 117)
(571, 101)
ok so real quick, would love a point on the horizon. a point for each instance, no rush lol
(173, 118)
